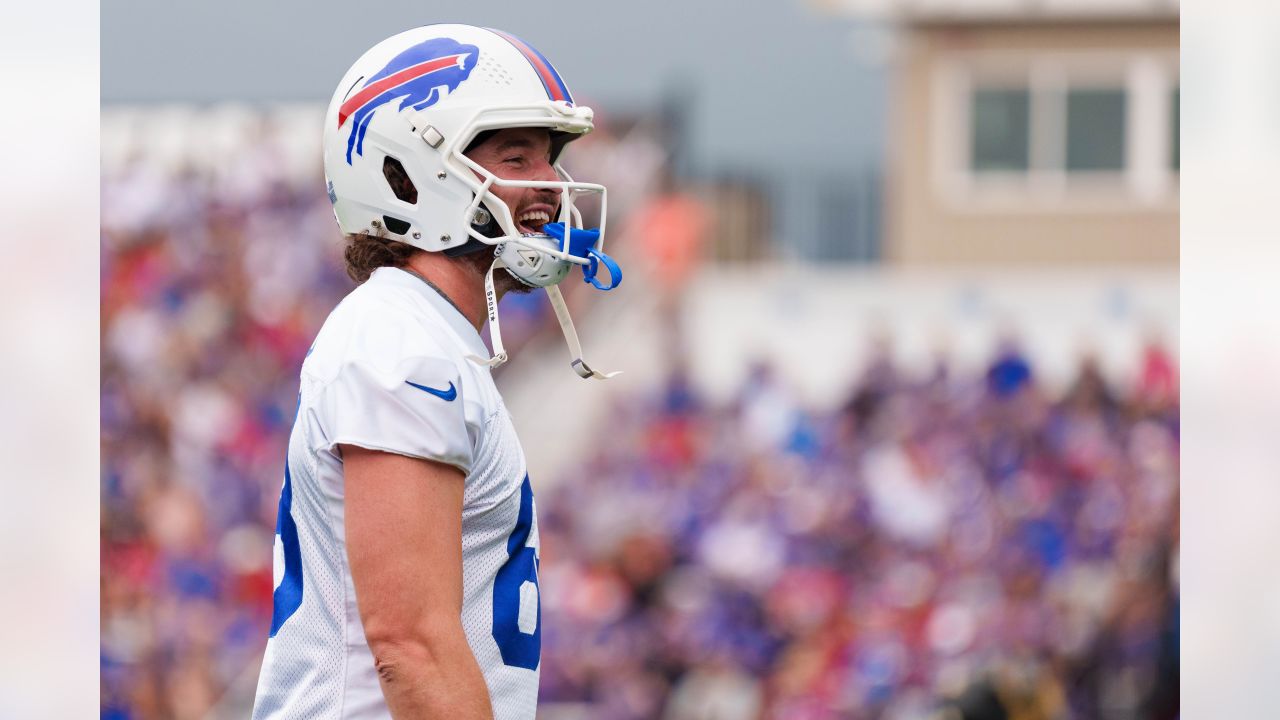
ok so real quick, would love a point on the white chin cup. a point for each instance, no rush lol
(530, 265)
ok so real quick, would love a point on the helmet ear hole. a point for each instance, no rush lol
(399, 180)
(395, 225)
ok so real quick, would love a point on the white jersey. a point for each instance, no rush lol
(388, 371)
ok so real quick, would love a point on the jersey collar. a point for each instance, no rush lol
(465, 331)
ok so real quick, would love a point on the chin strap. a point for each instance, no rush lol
(557, 303)
(495, 332)
(562, 314)
(571, 337)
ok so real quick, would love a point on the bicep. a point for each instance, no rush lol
(404, 542)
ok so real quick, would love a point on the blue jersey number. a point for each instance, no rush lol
(517, 579)
(288, 595)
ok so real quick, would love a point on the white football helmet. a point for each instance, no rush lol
(417, 100)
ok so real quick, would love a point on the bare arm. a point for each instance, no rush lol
(404, 543)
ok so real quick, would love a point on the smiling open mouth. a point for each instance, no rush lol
(532, 220)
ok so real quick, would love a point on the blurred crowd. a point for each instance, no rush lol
(964, 547)
(940, 547)
(212, 290)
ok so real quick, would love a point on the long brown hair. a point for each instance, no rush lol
(366, 253)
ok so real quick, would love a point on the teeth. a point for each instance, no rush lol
(534, 216)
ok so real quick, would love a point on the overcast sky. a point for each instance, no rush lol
(771, 81)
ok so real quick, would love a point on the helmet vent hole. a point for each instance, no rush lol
(493, 72)
(399, 181)
(395, 225)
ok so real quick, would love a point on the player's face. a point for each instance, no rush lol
(521, 154)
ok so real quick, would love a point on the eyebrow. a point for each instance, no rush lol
(515, 143)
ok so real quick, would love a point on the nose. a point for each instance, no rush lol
(543, 171)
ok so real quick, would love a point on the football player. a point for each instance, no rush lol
(406, 556)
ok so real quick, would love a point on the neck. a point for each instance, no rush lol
(459, 281)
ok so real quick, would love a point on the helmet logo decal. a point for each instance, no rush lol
(421, 75)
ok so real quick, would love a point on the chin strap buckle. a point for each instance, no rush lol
(581, 368)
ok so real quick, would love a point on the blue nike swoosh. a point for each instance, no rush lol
(447, 395)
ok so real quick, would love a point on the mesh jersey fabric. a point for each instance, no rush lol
(379, 376)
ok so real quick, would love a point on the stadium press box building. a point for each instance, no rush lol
(1032, 132)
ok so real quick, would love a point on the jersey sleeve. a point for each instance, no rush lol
(414, 408)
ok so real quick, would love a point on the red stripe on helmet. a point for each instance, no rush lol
(373, 90)
(555, 87)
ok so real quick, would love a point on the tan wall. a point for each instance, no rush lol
(925, 228)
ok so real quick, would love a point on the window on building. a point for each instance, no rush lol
(1095, 129)
(1001, 129)
(1041, 127)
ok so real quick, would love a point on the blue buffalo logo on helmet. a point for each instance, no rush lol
(421, 75)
